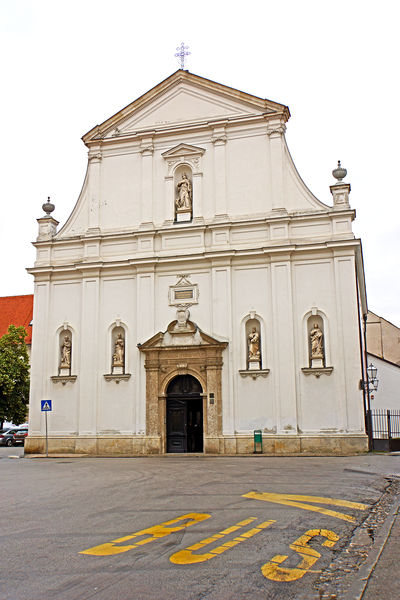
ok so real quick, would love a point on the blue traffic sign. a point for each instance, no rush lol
(45, 405)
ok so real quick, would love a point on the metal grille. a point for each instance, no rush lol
(385, 423)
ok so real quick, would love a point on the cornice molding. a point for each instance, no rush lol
(265, 249)
(186, 128)
(246, 220)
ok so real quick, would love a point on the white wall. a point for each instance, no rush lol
(387, 395)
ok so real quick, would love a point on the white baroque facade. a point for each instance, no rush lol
(198, 291)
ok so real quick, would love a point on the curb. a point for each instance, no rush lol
(357, 589)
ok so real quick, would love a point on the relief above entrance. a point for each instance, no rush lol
(183, 349)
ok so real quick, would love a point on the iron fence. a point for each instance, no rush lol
(385, 428)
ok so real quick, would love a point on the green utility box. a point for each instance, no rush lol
(258, 441)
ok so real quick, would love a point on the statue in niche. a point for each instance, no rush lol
(254, 345)
(184, 199)
(119, 351)
(65, 362)
(316, 338)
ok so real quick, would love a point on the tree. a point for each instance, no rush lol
(14, 376)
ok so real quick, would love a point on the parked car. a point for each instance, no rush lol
(7, 436)
(19, 436)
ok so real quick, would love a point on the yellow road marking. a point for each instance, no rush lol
(299, 502)
(155, 532)
(272, 570)
(186, 556)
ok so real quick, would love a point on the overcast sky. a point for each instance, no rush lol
(68, 66)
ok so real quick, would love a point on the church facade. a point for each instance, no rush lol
(198, 291)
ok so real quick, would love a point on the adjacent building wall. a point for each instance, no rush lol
(383, 338)
(387, 396)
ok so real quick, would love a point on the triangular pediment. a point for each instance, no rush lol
(183, 105)
(180, 100)
(177, 335)
(183, 150)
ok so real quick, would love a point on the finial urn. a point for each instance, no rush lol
(339, 173)
(48, 207)
(340, 190)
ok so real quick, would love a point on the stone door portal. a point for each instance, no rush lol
(183, 390)
(184, 415)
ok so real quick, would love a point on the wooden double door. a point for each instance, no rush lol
(184, 415)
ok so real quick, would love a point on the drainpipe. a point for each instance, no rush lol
(362, 357)
(366, 384)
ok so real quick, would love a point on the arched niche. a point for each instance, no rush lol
(253, 347)
(319, 355)
(316, 343)
(189, 157)
(253, 344)
(117, 353)
(118, 350)
(183, 192)
(65, 351)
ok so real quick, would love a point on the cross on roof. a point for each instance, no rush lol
(182, 53)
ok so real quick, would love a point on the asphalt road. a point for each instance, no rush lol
(216, 528)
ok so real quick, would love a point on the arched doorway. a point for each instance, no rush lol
(184, 415)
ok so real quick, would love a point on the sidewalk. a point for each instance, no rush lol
(384, 581)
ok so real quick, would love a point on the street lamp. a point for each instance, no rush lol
(372, 380)
(370, 385)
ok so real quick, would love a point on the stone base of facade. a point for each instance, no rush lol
(315, 445)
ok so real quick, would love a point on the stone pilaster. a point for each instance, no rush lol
(94, 191)
(169, 199)
(213, 423)
(284, 359)
(147, 150)
(86, 346)
(219, 141)
(197, 209)
(152, 392)
(275, 131)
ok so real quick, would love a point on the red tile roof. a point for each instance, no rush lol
(16, 310)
